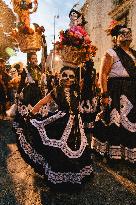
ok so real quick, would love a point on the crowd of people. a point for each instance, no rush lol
(9, 80)
(80, 112)
(14, 78)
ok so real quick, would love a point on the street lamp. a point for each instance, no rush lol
(55, 17)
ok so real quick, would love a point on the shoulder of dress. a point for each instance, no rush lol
(111, 52)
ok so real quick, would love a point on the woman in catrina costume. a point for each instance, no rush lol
(55, 144)
(115, 133)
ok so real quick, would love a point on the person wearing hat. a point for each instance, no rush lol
(76, 16)
(115, 131)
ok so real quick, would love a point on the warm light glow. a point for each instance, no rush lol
(32, 26)
(57, 58)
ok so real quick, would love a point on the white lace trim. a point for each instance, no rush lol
(115, 117)
(74, 178)
(62, 143)
(24, 110)
(37, 158)
(91, 106)
(130, 154)
(54, 177)
(114, 152)
(99, 146)
(125, 108)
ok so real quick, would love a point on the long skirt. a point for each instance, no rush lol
(49, 144)
(116, 139)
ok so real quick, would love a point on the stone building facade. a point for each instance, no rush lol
(99, 13)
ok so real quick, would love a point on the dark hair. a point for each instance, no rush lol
(83, 21)
(78, 15)
(116, 30)
(77, 12)
(17, 66)
(29, 55)
(67, 68)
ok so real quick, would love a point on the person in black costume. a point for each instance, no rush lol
(115, 134)
(29, 85)
(55, 144)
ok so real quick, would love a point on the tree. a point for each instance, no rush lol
(7, 23)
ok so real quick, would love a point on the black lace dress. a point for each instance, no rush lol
(115, 134)
(55, 144)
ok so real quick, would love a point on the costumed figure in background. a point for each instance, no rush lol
(24, 8)
(29, 87)
(115, 134)
(15, 73)
(55, 143)
(27, 36)
(28, 90)
(89, 106)
(29, 41)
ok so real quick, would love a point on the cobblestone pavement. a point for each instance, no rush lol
(19, 185)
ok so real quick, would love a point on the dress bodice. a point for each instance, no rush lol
(117, 69)
(66, 99)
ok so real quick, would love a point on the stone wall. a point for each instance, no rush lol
(133, 22)
(99, 13)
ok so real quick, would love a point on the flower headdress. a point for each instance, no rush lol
(76, 8)
(113, 25)
(75, 46)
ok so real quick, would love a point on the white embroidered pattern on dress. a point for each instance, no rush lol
(115, 117)
(126, 107)
(74, 178)
(54, 177)
(114, 152)
(90, 107)
(99, 146)
(62, 143)
(121, 118)
(37, 158)
(130, 154)
(24, 110)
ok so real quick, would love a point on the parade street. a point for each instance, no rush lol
(19, 185)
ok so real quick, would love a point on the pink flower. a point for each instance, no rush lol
(79, 30)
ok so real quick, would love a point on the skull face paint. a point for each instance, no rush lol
(125, 34)
(67, 78)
